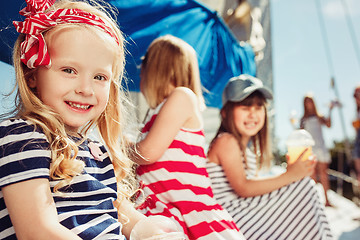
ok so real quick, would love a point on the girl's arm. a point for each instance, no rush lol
(327, 121)
(144, 227)
(226, 152)
(32, 211)
(178, 111)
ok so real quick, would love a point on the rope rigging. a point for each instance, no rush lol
(332, 75)
(325, 39)
(338, 174)
(350, 25)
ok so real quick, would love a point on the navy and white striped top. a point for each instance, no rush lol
(86, 208)
(293, 212)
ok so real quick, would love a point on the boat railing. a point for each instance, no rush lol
(343, 171)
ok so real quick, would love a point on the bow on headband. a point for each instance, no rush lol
(34, 51)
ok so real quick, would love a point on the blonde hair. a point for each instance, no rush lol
(261, 142)
(64, 165)
(169, 61)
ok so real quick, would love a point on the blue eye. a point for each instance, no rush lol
(68, 70)
(100, 78)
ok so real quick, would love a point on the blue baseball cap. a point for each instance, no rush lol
(240, 87)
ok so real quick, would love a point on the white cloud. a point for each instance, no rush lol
(338, 8)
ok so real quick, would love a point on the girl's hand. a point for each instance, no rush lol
(301, 167)
(137, 226)
(156, 227)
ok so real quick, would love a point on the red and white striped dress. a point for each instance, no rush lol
(178, 186)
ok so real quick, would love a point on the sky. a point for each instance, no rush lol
(7, 83)
(300, 63)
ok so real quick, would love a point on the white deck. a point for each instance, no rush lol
(341, 217)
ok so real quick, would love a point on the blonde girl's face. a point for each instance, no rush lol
(249, 120)
(77, 84)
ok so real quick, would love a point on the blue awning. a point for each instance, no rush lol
(220, 55)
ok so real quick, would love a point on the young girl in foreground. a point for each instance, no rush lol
(55, 183)
(173, 172)
(280, 207)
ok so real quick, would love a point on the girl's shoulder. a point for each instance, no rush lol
(225, 136)
(181, 97)
(225, 140)
(185, 97)
(16, 123)
(183, 92)
(183, 105)
(224, 150)
(19, 128)
(315, 117)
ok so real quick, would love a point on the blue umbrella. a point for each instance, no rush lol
(9, 11)
(220, 55)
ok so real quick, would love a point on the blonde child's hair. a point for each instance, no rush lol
(169, 61)
(261, 142)
(110, 123)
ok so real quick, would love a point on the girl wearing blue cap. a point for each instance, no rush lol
(280, 207)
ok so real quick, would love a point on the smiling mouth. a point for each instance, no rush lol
(79, 106)
(251, 124)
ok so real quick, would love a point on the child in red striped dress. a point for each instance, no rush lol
(171, 150)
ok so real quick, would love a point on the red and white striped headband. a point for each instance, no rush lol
(34, 52)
